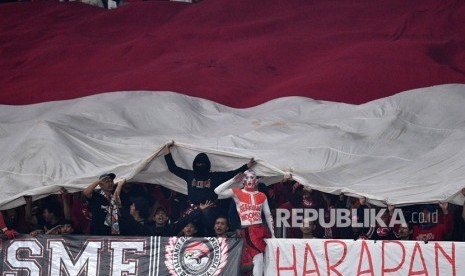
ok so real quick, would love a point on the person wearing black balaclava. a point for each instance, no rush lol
(201, 183)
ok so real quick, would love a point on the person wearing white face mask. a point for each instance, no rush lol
(250, 204)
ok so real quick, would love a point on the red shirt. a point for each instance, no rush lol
(435, 233)
(249, 206)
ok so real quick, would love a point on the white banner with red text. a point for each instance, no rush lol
(363, 257)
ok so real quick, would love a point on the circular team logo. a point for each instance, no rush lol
(196, 256)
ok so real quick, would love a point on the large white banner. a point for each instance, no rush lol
(363, 257)
(399, 150)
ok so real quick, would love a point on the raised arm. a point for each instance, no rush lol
(64, 199)
(448, 223)
(224, 189)
(88, 191)
(268, 217)
(176, 226)
(28, 211)
(117, 193)
(130, 226)
(172, 167)
(224, 176)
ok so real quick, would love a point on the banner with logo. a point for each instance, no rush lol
(147, 256)
(348, 257)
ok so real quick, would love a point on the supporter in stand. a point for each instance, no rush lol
(404, 232)
(65, 203)
(201, 183)
(131, 190)
(55, 214)
(161, 222)
(458, 231)
(330, 232)
(103, 206)
(15, 218)
(190, 230)
(342, 202)
(134, 216)
(174, 202)
(283, 190)
(54, 222)
(303, 197)
(31, 214)
(235, 221)
(221, 229)
(366, 230)
(430, 230)
(307, 229)
(294, 202)
(52, 218)
(81, 217)
(177, 204)
(385, 232)
(10, 233)
(313, 199)
(133, 222)
(250, 204)
(163, 227)
(65, 228)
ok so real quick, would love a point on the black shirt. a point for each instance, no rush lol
(98, 206)
(130, 227)
(199, 191)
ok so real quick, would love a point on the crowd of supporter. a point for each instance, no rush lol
(148, 209)
(143, 209)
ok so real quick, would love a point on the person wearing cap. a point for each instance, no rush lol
(100, 201)
(201, 182)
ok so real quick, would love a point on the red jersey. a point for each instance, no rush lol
(249, 206)
(435, 233)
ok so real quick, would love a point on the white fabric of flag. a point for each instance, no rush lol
(404, 149)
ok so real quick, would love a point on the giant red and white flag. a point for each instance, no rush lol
(364, 98)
